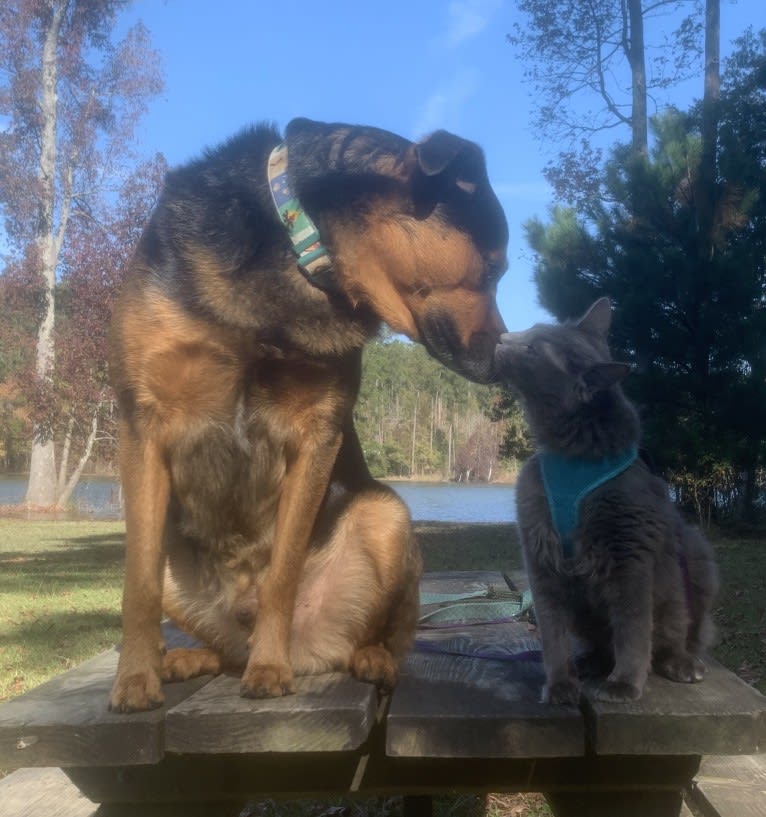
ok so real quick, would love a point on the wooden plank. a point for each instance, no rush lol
(217, 777)
(65, 721)
(720, 715)
(589, 773)
(46, 791)
(328, 713)
(454, 706)
(731, 786)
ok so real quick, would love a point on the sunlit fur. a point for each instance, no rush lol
(252, 519)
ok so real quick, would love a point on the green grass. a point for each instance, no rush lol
(740, 610)
(450, 546)
(60, 590)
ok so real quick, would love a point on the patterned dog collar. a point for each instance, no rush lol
(313, 258)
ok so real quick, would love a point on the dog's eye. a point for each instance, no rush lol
(493, 270)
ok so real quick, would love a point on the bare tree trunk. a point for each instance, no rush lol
(705, 200)
(431, 430)
(712, 93)
(637, 60)
(41, 489)
(74, 478)
(414, 433)
(64, 462)
(381, 416)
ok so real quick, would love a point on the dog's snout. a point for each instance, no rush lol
(473, 358)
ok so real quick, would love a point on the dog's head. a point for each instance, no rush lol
(415, 230)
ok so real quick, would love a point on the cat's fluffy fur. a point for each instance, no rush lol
(638, 590)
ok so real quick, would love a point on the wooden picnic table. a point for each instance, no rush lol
(465, 717)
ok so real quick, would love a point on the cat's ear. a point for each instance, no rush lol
(598, 318)
(602, 376)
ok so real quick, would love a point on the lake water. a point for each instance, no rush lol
(99, 497)
(458, 502)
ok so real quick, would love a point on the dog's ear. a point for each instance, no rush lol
(602, 376)
(437, 152)
(598, 318)
(301, 126)
(440, 162)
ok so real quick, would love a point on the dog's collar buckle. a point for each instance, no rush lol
(313, 258)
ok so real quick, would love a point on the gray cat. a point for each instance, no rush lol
(609, 559)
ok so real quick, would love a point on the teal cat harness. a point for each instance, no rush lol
(568, 480)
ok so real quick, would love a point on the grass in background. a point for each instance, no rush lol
(740, 610)
(60, 591)
(450, 546)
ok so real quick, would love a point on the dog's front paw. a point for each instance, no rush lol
(684, 669)
(375, 665)
(267, 681)
(136, 692)
(617, 692)
(562, 693)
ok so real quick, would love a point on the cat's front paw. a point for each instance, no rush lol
(617, 692)
(683, 669)
(562, 693)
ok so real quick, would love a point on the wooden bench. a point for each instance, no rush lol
(455, 723)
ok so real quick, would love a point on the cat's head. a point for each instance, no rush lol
(559, 367)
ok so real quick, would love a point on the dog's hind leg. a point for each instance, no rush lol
(358, 605)
(375, 664)
(380, 527)
(183, 663)
(378, 663)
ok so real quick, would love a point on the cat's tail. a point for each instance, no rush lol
(702, 582)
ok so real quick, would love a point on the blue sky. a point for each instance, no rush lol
(410, 67)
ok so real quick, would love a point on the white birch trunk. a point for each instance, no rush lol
(41, 489)
(74, 478)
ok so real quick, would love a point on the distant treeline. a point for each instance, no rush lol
(417, 419)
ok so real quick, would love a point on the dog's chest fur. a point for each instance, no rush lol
(234, 421)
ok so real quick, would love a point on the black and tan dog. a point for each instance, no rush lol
(251, 517)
